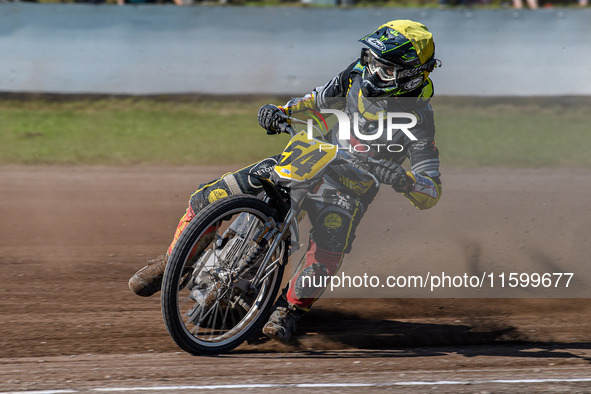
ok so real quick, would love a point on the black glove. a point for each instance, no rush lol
(393, 174)
(272, 119)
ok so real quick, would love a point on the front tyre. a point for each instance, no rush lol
(211, 302)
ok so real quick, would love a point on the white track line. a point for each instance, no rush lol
(305, 385)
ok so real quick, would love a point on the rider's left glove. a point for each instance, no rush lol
(393, 174)
(272, 118)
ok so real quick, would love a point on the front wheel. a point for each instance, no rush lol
(213, 293)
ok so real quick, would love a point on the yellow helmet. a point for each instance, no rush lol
(399, 58)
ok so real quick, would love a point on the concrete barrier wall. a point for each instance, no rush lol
(145, 49)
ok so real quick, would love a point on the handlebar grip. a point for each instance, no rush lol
(282, 127)
(285, 127)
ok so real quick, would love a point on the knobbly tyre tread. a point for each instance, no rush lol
(172, 274)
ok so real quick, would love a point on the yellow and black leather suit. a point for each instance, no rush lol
(422, 153)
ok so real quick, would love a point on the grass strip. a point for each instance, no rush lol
(197, 130)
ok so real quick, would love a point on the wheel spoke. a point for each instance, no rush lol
(214, 315)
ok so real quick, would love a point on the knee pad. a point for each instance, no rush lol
(213, 191)
(244, 181)
(333, 231)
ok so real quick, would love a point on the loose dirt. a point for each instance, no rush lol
(72, 237)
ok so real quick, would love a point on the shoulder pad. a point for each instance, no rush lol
(426, 91)
(358, 68)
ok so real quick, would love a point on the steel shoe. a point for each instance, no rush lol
(148, 280)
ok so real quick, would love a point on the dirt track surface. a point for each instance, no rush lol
(71, 238)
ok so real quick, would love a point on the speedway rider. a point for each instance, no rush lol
(395, 65)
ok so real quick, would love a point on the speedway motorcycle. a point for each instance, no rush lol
(226, 270)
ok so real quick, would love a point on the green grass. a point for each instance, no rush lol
(522, 132)
(121, 131)
(196, 130)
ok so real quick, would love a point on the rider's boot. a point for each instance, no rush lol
(283, 322)
(148, 280)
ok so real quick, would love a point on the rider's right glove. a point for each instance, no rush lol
(393, 174)
(272, 118)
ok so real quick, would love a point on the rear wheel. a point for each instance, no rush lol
(211, 302)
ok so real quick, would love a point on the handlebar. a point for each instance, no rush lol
(360, 161)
